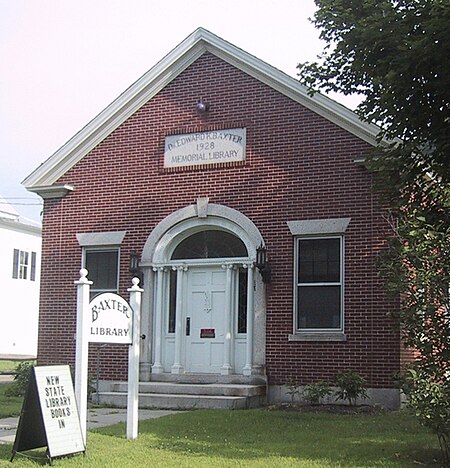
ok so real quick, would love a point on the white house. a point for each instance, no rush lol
(20, 254)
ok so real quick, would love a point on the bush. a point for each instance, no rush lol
(314, 392)
(293, 389)
(430, 401)
(350, 387)
(21, 380)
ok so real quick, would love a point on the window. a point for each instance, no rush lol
(318, 277)
(210, 244)
(102, 265)
(24, 265)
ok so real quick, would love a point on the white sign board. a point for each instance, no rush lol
(59, 410)
(110, 320)
(193, 149)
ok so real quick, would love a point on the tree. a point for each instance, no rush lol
(394, 53)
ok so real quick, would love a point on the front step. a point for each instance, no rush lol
(174, 395)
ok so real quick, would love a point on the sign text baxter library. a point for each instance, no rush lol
(193, 149)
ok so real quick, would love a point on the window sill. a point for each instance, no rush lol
(318, 336)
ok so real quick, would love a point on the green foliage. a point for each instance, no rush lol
(21, 379)
(314, 392)
(430, 401)
(351, 386)
(394, 53)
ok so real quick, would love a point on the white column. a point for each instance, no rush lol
(250, 314)
(177, 367)
(157, 367)
(226, 367)
(133, 361)
(82, 349)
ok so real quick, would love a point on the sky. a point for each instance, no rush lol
(63, 61)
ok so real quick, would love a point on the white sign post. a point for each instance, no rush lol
(108, 318)
(133, 362)
(82, 349)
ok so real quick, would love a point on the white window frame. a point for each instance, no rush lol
(24, 264)
(298, 285)
(318, 229)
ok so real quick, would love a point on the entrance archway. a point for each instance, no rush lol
(205, 305)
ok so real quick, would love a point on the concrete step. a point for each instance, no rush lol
(192, 389)
(202, 392)
(180, 401)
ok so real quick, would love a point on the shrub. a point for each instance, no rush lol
(350, 387)
(21, 380)
(314, 392)
(292, 389)
(430, 401)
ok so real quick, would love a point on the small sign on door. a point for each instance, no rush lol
(207, 333)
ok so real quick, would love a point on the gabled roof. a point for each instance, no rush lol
(160, 76)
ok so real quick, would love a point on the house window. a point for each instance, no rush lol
(319, 284)
(24, 265)
(103, 268)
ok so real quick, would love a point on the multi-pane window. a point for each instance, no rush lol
(319, 272)
(103, 268)
(24, 265)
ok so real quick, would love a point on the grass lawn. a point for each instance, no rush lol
(9, 406)
(8, 366)
(257, 438)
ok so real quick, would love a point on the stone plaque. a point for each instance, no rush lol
(215, 147)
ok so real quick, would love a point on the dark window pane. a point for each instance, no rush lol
(15, 264)
(210, 244)
(319, 261)
(33, 266)
(102, 267)
(172, 301)
(242, 306)
(319, 307)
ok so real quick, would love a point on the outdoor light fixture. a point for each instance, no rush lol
(262, 264)
(135, 270)
(202, 107)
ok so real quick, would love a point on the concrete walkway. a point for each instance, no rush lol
(97, 417)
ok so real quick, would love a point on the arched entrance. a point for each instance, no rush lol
(205, 304)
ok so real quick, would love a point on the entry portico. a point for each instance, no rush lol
(204, 306)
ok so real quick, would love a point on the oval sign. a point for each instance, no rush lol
(111, 319)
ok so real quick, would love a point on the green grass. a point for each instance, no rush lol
(9, 406)
(257, 438)
(8, 366)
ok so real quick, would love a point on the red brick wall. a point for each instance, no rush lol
(299, 166)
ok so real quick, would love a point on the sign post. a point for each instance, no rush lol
(133, 362)
(82, 348)
(108, 318)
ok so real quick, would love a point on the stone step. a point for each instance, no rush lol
(182, 401)
(173, 388)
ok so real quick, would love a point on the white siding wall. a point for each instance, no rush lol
(19, 311)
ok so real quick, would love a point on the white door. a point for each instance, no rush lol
(205, 317)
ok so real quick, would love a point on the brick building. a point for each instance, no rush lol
(212, 157)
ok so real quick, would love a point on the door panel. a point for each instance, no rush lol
(205, 306)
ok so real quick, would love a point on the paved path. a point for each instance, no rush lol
(97, 417)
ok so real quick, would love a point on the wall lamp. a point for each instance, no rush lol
(135, 269)
(202, 107)
(262, 264)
